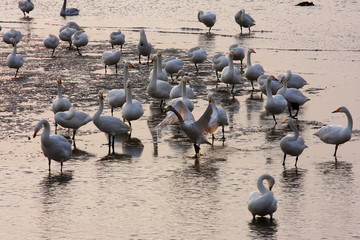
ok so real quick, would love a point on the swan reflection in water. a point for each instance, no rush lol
(263, 228)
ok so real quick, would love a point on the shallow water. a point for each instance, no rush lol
(151, 188)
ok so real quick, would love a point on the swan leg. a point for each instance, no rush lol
(17, 70)
(223, 132)
(78, 50)
(232, 89)
(296, 159)
(148, 61)
(336, 147)
(217, 76)
(105, 69)
(197, 149)
(74, 132)
(56, 127)
(112, 46)
(113, 144)
(112, 111)
(274, 119)
(252, 85)
(284, 160)
(197, 70)
(53, 52)
(139, 59)
(116, 68)
(61, 165)
(49, 159)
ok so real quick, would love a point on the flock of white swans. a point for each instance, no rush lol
(282, 93)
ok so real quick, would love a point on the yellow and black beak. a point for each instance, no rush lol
(337, 110)
(35, 132)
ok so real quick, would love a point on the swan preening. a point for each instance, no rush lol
(54, 147)
(263, 203)
(72, 119)
(117, 97)
(239, 53)
(219, 63)
(79, 39)
(208, 19)
(14, 34)
(66, 34)
(68, 11)
(292, 144)
(334, 134)
(109, 124)
(253, 72)
(244, 20)
(14, 60)
(144, 48)
(196, 56)
(26, 6)
(117, 38)
(111, 58)
(172, 65)
(51, 42)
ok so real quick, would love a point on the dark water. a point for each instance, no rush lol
(151, 188)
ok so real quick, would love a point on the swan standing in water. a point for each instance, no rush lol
(194, 130)
(109, 124)
(54, 147)
(161, 73)
(244, 20)
(231, 74)
(79, 39)
(253, 72)
(294, 97)
(132, 109)
(14, 60)
(26, 6)
(12, 34)
(68, 11)
(72, 119)
(263, 203)
(60, 104)
(274, 104)
(334, 134)
(196, 56)
(111, 58)
(219, 63)
(144, 48)
(51, 42)
(292, 144)
(117, 97)
(176, 90)
(239, 53)
(208, 19)
(157, 88)
(117, 38)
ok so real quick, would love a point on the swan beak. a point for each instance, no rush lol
(337, 110)
(270, 188)
(253, 51)
(152, 59)
(233, 53)
(274, 78)
(284, 121)
(101, 95)
(178, 75)
(13, 43)
(209, 99)
(59, 80)
(159, 53)
(35, 132)
(131, 65)
(128, 84)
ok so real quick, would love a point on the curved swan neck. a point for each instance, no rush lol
(99, 111)
(350, 120)
(260, 183)
(181, 120)
(64, 5)
(296, 131)
(46, 132)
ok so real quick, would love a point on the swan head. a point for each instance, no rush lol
(270, 77)
(101, 95)
(340, 109)
(251, 50)
(154, 58)
(159, 53)
(186, 79)
(129, 64)
(59, 79)
(35, 132)
(12, 41)
(210, 97)
(128, 83)
(180, 73)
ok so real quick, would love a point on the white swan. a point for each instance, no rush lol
(263, 203)
(194, 130)
(117, 97)
(208, 19)
(176, 90)
(294, 97)
(231, 74)
(274, 104)
(292, 144)
(109, 124)
(12, 33)
(274, 84)
(157, 88)
(197, 56)
(72, 119)
(14, 60)
(68, 11)
(117, 38)
(111, 58)
(66, 34)
(253, 71)
(334, 134)
(172, 65)
(184, 98)
(218, 118)
(54, 147)
(294, 80)
(79, 39)
(60, 104)
(244, 20)
(219, 62)
(132, 109)
(161, 73)
(26, 6)
(239, 52)
(51, 42)
(144, 48)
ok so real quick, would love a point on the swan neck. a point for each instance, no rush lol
(159, 63)
(46, 133)
(268, 89)
(231, 62)
(181, 120)
(99, 111)
(128, 95)
(183, 89)
(59, 91)
(248, 60)
(64, 5)
(350, 120)
(154, 74)
(126, 75)
(296, 131)
(260, 184)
